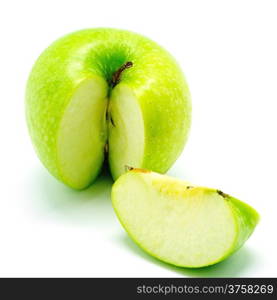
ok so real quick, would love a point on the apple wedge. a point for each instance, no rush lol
(178, 223)
(106, 93)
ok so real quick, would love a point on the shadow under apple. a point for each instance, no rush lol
(50, 198)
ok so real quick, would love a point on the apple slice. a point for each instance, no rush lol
(178, 223)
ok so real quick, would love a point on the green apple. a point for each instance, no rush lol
(179, 223)
(106, 92)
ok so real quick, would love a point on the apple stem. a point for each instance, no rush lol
(116, 75)
(113, 82)
(222, 194)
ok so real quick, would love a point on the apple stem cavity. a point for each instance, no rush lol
(117, 74)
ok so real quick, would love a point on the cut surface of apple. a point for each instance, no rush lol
(111, 93)
(82, 133)
(179, 223)
(126, 131)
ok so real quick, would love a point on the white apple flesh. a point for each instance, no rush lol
(82, 134)
(179, 223)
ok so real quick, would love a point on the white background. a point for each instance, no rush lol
(228, 51)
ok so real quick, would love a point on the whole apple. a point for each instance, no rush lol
(111, 93)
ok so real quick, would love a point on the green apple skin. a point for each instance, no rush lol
(160, 227)
(156, 82)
